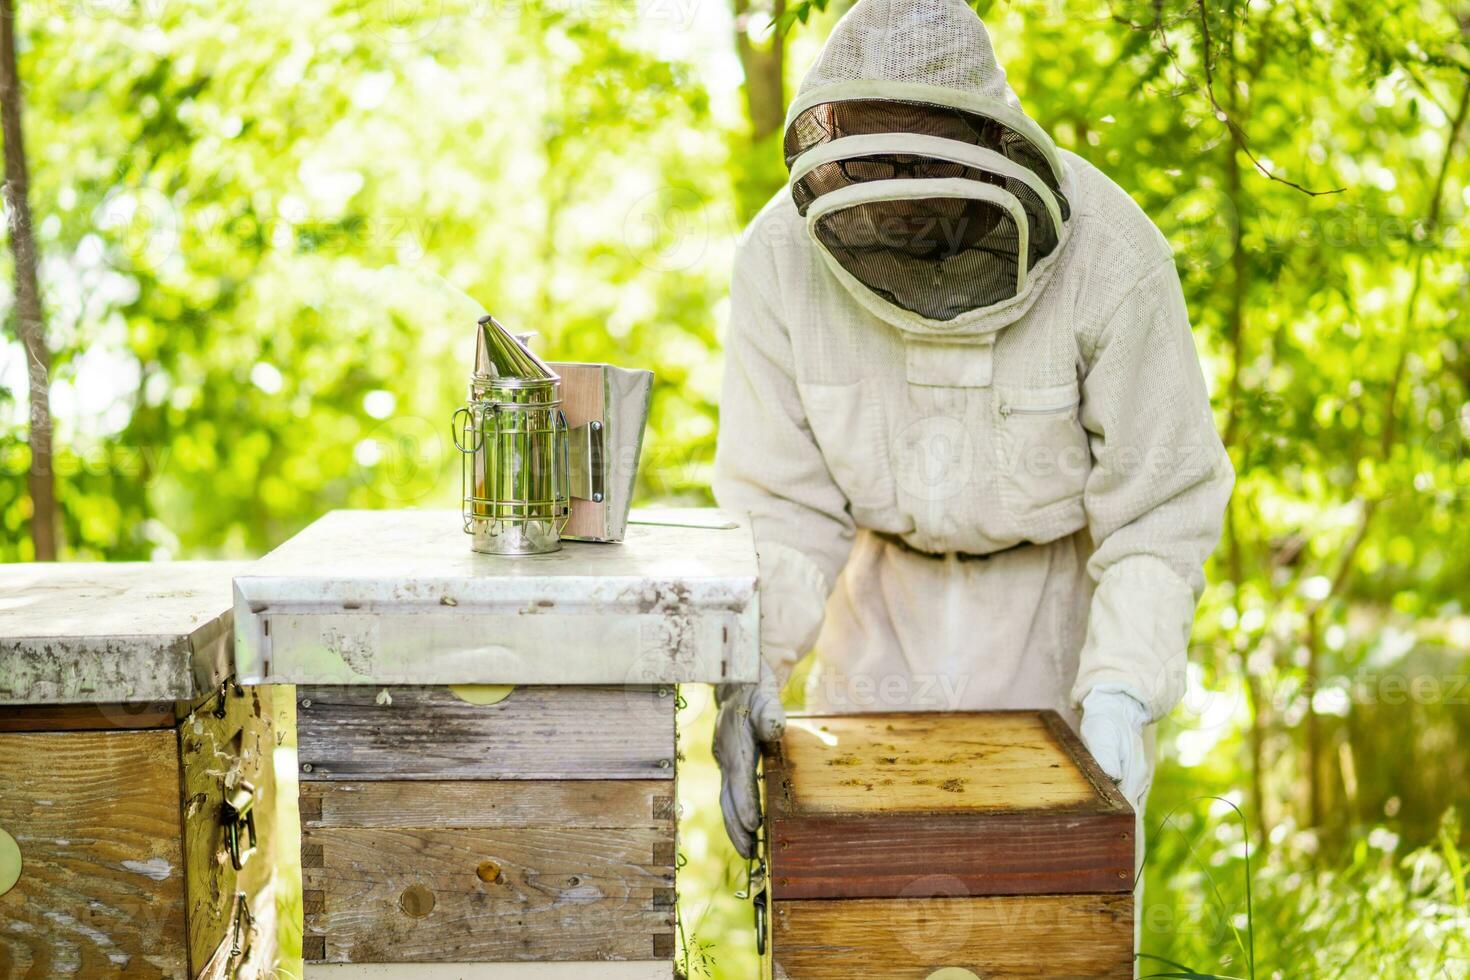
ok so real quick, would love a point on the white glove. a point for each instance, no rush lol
(1113, 719)
(750, 715)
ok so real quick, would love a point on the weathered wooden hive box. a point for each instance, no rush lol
(136, 779)
(945, 845)
(486, 744)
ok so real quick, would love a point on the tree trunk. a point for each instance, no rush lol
(1316, 813)
(765, 86)
(1235, 335)
(30, 320)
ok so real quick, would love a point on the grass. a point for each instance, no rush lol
(1374, 910)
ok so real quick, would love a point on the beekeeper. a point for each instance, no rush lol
(964, 411)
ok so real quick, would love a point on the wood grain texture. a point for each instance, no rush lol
(86, 717)
(535, 733)
(1016, 938)
(253, 954)
(929, 763)
(218, 753)
(1009, 854)
(920, 805)
(490, 805)
(101, 892)
(418, 895)
(1071, 743)
(599, 970)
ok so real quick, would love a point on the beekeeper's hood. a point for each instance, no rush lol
(937, 202)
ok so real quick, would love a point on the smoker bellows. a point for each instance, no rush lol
(549, 450)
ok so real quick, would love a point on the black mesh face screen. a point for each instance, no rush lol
(829, 121)
(828, 177)
(937, 257)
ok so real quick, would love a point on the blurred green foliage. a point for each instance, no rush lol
(245, 211)
(261, 225)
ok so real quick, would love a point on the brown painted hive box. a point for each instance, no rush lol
(951, 845)
(129, 762)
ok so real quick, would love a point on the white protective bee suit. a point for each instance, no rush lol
(988, 481)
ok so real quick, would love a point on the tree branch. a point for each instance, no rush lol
(1230, 123)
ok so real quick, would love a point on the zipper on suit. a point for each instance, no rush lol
(1006, 411)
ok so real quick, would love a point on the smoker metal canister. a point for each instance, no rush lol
(513, 435)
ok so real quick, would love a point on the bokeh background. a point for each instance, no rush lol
(264, 230)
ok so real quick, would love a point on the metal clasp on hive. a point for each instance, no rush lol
(237, 814)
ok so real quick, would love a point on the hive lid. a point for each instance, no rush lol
(501, 359)
(927, 804)
(96, 632)
(395, 597)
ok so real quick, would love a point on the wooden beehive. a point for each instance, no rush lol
(122, 740)
(988, 845)
(450, 830)
(535, 828)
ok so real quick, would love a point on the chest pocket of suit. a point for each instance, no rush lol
(1042, 457)
(852, 431)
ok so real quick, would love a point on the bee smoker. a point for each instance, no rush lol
(548, 451)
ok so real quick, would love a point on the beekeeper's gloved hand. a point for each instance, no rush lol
(1113, 719)
(750, 715)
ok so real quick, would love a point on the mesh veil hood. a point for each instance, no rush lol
(937, 53)
(939, 43)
